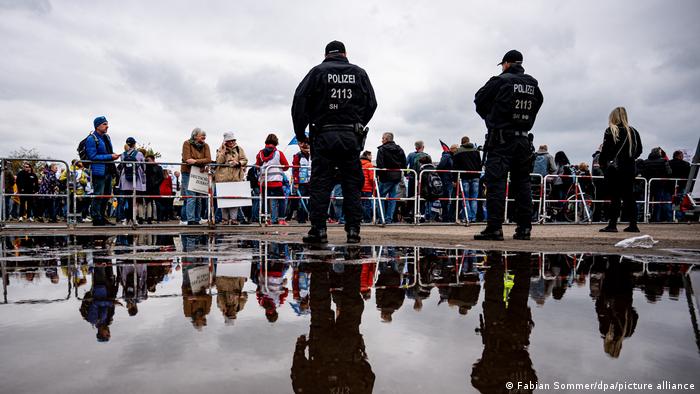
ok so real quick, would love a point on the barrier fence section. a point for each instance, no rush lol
(379, 198)
(675, 191)
(456, 197)
(47, 164)
(582, 200)
(577, 204)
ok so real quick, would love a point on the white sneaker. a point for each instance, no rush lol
(31, 220)
(203, 221)
(21, 219)
(183, 222)
(87, 220)
(124, 222)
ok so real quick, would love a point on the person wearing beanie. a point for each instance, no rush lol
(98, 147)
(232, 165)
(132, 179)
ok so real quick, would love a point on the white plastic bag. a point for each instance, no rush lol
(642, 241)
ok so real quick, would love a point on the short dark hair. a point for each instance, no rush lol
(365, 155)
(272, 140)
(465, 140)
(151, 156)
(678, 154)
(425, 159)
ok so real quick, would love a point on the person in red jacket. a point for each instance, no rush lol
(273, 164)
(301, 172)
(368, 186)
(166, 203)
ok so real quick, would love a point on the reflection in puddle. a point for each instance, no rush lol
(343, 319)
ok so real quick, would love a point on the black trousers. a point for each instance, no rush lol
(326, 168)
(620, 187)
(514, 156)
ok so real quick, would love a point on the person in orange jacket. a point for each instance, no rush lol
(368, 186)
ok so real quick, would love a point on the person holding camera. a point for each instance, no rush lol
(233, 160)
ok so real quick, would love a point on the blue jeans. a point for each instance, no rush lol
(193, 206)
(470, 187)
(367, 207)
(448, 212)
(10, 210)
(274, 204)
(101, 185)
(255, 208)
(662, 212)
(389, 189)
(338, 204)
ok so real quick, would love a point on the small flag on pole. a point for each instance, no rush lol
(445, 148)
(294, 139)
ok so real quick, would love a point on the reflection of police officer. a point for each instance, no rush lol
(505, 328)
(508, 103)
(336, 101)
(337, 361)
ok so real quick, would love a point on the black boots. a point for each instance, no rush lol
(316, 236)
(353, 235)
(610, 228)
(632, 228)
(490, 234)
(522, 233)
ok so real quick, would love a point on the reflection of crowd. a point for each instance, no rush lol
(331, 293)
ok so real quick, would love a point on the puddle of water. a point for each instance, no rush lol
(220, 314)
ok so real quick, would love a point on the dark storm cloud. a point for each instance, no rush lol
(264, 87)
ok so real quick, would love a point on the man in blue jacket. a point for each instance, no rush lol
(100, 152)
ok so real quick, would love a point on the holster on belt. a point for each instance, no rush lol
(361, 132)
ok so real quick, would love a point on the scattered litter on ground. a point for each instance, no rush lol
(642, 241)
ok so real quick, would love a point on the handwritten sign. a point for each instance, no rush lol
(199, 181)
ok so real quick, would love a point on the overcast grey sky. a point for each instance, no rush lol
(158, 69)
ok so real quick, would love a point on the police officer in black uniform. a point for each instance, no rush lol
(509, 104)
(336, 100)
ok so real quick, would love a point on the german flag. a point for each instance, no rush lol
(445, 148)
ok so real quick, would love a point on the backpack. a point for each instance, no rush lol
(431, 186)
(82, 149)
(128, 168)
(540, 165)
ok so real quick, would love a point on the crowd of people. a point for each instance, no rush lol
(102, 183)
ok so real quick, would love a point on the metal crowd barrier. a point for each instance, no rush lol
(66, 195)
(459, 194)
(670, 202)
(580, 202)
(578, 191)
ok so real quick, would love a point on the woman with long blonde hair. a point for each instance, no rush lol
(621, 146)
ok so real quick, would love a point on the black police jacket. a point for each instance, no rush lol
(509, 101)
(334, 92)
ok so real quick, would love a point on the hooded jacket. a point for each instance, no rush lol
(467, 158)
(390, 155)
